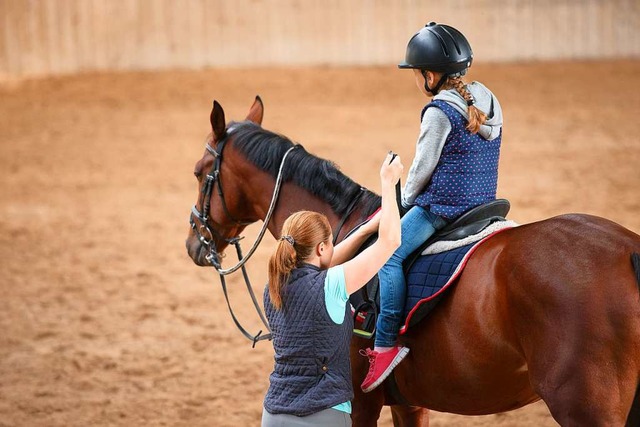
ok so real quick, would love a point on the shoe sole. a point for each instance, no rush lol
(401, 355)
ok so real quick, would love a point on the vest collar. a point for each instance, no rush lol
(305, 265)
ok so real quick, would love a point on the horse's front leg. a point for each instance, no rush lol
(409, 416)
(366, 408)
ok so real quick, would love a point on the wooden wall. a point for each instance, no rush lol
(41, 37)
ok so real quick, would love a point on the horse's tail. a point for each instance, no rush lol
(633, 420)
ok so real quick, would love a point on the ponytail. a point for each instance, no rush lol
(283, 260)
(476, 117)
(301, 233)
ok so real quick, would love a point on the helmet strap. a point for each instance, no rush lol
(436, 89)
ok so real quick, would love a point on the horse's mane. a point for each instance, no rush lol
(320, 177)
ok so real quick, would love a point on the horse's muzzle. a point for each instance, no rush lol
(197, 251)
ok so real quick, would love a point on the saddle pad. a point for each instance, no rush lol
(429, 278)
(447, 245)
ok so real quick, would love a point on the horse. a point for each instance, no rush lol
(547, 310)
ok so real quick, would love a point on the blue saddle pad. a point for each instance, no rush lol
(427, 280)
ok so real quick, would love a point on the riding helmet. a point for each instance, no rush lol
(440, 48)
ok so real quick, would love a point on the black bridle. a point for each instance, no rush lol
(209, 236)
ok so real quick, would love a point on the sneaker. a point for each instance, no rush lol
(381, 365)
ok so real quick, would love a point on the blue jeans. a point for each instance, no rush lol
(417, 226)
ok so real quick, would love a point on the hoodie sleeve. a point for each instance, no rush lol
(434, 130)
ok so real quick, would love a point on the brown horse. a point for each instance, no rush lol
(548, 310)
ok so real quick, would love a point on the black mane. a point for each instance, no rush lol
(322, 178)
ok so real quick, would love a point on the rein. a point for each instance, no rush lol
(208, 236)
(348, 213)
(242, 260)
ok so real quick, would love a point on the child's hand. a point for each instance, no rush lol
(391, 170)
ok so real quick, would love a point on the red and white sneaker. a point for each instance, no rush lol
(381, 365)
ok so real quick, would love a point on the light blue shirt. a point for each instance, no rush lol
(335, 299)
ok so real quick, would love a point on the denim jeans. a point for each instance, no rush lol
(417, 226)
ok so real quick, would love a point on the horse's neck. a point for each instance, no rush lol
(259, 187)
(356, 218)
(294, 199)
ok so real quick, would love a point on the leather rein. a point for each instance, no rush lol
(209, 236)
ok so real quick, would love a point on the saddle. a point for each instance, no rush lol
(366, 301)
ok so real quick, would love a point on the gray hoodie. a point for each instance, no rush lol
(435, 128)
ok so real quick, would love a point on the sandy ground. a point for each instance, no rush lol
(104, 318)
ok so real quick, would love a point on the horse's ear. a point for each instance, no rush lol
(256, 112)
(218, 123)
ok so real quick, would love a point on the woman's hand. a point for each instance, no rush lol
(391, 170)
(372, 225)
(363, 267)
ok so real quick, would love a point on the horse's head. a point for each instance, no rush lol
(220, 214)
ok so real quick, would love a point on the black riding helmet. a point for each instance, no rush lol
(439, 48)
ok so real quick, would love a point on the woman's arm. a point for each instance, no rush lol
(362, 268)
(345, 250)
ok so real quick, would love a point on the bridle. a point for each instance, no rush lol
(209, 236)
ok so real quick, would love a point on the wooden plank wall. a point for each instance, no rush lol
(41, 37)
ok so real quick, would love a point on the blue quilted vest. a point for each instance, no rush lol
(466, 175)
(312, 367)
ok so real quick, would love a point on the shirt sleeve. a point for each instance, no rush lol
(434, 131)
(335, 293)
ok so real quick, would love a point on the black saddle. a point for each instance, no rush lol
(470, 223)
(367, 300)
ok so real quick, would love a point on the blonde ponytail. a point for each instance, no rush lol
(301, 232)
(476, 117)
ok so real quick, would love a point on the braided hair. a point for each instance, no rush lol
(476, 117)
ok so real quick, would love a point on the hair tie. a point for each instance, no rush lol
(471, 100)
(289, 239)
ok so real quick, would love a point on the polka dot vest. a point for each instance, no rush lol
(466, 175)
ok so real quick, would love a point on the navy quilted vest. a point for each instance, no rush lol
(312, 368)
(466, 175)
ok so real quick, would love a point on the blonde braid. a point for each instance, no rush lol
(476, 117)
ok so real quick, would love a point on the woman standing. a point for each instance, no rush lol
(306, 305)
